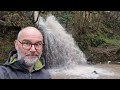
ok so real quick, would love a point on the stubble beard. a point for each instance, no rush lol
(28, 61)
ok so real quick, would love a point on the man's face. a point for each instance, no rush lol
(30, 47)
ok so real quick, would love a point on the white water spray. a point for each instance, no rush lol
(61, 50)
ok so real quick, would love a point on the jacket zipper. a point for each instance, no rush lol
(30, 76)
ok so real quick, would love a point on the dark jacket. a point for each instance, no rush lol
(15, 69)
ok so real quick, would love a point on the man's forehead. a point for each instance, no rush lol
(30, 32)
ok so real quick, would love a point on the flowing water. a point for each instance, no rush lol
(63, 57)
(85, 72)
(60, 48)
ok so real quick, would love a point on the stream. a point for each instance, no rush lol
(98, 71)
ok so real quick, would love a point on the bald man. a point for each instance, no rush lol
(25, 62)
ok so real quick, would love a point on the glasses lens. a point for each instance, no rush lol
(26, 45)
(38, 45)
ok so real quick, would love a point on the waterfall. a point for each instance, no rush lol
(63, 57)
(60, 47)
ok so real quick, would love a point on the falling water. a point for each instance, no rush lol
(62, 55)
(61, 50)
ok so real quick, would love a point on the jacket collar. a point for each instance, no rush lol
(13, 62)
(38, 65)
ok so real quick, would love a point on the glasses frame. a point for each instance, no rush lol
(30, 46)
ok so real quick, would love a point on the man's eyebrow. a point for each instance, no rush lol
(26, 40)
(39, 42)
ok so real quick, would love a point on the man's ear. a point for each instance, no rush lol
(16, 44)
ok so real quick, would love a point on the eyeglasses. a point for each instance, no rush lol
(27, 45)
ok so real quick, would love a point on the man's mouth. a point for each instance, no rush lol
(32, 56)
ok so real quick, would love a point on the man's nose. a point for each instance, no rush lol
(32, 48)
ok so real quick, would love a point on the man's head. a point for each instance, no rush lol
(29, 45)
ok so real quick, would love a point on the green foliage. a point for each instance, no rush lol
(15, 18)
(112, 42)
(117, 37)
(83, 45)
(6, 48)
(2, 60)
(65, 17)
(4, 51)
(95, 42)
